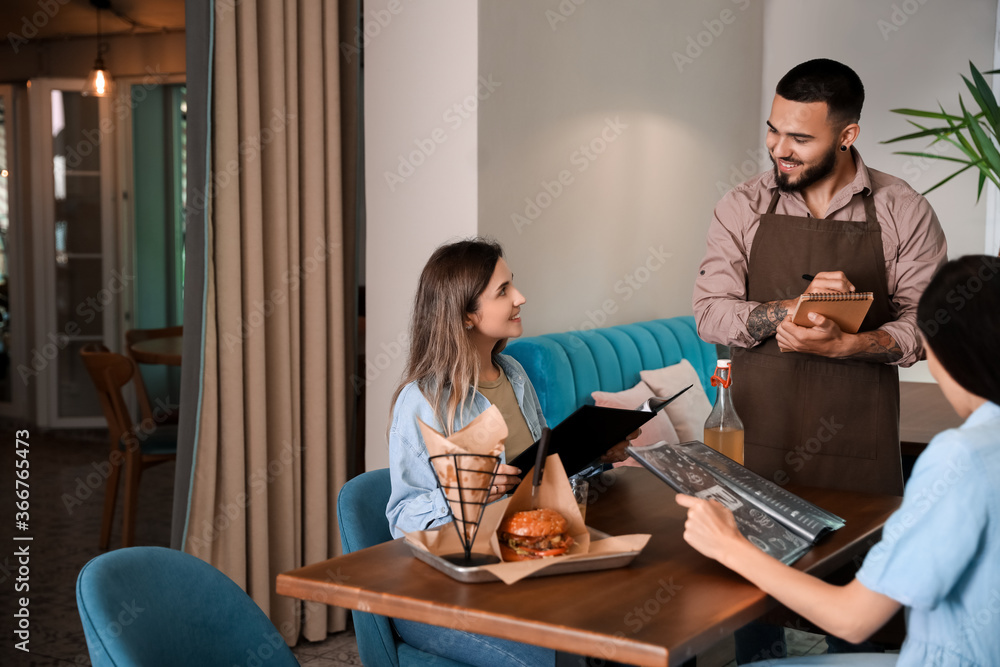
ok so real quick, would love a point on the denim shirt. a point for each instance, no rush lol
(415, 502)
(940, 550)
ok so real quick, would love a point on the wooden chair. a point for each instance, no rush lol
(134, 446)
(133, 336)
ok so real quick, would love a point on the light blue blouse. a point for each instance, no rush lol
(940, 552)
(415, 502)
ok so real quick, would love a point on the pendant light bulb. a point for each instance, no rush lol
(99, 80)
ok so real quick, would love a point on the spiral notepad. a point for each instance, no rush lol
(847, 309)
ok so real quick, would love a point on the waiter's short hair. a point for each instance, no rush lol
(959, 316)
(825, 80)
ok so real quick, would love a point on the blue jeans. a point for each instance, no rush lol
(835, 659)
(479, 650)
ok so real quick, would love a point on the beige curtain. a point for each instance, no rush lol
(271, 449)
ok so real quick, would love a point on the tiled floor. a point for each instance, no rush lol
(66, 496)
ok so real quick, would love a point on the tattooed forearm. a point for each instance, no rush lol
(765, 318)
(876, 346)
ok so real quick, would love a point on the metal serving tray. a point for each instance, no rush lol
(478, 575)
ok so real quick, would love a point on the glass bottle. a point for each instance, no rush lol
(723, 428)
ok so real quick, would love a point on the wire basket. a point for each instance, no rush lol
(467, 497)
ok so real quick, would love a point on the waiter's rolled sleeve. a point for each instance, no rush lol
(920, 253)
(720, 306)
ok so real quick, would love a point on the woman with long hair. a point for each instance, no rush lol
(940, 552)
(465, 309)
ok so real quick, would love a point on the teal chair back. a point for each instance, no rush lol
(361, 515)
(152, 606)
(565, 368)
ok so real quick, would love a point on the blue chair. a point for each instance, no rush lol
(152, 606)
(361, 515)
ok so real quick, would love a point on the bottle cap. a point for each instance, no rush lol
(722, 363)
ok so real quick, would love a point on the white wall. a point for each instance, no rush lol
(420, 61)
(908, 53)
(661, 133)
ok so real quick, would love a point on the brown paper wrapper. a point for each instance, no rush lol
(463, 466)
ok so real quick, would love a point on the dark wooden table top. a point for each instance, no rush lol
(667, 606)
(166, 351)
(923, 413)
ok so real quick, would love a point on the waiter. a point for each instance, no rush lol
(820, 406)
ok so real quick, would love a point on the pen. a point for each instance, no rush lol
(806, 276)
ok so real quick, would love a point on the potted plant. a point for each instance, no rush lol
(974, 133)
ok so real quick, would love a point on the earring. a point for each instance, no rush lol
(468, 327)
(843, 148)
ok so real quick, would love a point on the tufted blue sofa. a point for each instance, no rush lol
(566, 367)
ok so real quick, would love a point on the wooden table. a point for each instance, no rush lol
(923, 413)
(668, 606)
(166, 351)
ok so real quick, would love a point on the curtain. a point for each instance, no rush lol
(270, 313)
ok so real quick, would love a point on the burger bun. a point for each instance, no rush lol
(534, 523)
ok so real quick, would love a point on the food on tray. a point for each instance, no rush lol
(533, 534)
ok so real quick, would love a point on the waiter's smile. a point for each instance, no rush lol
(787, 166)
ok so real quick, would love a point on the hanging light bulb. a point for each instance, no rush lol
(99, 81)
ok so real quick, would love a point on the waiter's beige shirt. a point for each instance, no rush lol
(912, 240)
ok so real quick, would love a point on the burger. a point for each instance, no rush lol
(533, 534)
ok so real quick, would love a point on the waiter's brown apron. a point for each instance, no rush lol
(812, 420)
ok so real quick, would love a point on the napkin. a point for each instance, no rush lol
(467, 474)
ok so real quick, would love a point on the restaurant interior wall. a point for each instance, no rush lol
(420, 171)
(602, 151)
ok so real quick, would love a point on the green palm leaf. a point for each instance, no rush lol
(988, 104)
(926, 114)
(983, 143)
(974, 132)
(985, 98)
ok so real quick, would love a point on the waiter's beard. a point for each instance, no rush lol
(810, 175)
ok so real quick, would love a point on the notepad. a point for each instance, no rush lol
(847, 309)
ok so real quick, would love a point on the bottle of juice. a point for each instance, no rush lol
(723, 428)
